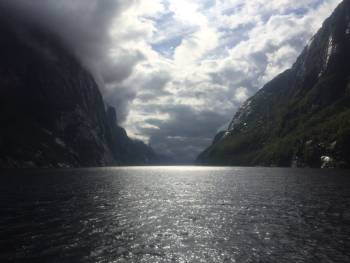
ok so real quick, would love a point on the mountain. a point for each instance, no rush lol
(302, 117)
(52, 113)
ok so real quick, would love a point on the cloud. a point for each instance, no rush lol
(177, 70)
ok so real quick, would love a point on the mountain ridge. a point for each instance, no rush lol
(51, 110)
(302, 117)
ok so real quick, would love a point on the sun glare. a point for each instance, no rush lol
(187, 12)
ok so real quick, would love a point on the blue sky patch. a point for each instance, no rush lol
(167, 47)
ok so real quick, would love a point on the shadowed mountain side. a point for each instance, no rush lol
(300, 118)
(51, 111)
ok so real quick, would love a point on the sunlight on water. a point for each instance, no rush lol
(182, 168)
(175, 214)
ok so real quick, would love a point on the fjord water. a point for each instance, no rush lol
(175, 214)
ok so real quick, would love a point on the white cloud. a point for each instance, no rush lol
(241, 94)
(187, 12)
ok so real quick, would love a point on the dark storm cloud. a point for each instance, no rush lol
(120, 68)
(83, 25)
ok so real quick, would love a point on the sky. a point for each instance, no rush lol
(178, 70)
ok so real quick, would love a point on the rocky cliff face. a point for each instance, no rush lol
(51, 111)
(302, 117)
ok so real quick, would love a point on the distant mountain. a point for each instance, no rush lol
(302, 117)
(51, 111)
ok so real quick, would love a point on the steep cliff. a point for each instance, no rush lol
(51, 111)
(300, 118)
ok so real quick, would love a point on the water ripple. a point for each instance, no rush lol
(175, 214)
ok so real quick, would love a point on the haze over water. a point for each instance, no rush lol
(175, 214)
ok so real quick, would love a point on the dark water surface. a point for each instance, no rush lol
(175, 214)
